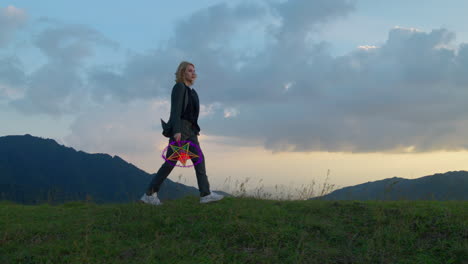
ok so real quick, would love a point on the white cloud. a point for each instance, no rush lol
(209, 110)
(230, 112)
(410, 29)
(288, 85)
(367, 47)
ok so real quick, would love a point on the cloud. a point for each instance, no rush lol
(12, 78)
(53, 89)
(230, 112)
(294, 96)
(279, 86)
(144, 76)
(119, 128)
(405, 95)
(70, 44)
(210, 36)
(207, 35)
(132, 130)
(58, 87)
(301, 17)
(11, 19)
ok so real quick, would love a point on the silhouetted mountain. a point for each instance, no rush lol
(451, 185)
(35, 170)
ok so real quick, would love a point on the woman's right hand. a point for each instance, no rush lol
(177, 136)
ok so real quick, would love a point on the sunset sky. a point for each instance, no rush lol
(288, 89)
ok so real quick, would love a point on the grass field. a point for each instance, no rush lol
(236, 230)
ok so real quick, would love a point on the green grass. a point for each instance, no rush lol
(236, 230)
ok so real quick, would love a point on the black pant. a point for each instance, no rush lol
(166, 168)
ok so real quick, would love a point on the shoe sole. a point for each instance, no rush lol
(211, 201)
(140, 201)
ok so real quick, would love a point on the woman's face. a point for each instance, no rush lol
(190, 74)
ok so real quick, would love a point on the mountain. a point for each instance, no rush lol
(35, 170)
(452, 185)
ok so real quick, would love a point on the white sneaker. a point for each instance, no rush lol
(151, 199)
(212, 197)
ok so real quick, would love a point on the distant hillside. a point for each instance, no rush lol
(451, 185)
(35, 170)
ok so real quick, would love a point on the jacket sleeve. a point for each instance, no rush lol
(177, 98)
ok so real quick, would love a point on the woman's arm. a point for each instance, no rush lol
(177, 98)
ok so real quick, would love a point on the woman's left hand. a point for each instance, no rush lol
(177, 136)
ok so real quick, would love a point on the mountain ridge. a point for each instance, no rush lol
(34, 169)
(451, 185)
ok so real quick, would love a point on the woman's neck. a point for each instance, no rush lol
(187, 83)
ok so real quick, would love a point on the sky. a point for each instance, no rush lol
(292, 92)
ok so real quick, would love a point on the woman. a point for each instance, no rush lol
(184, 122)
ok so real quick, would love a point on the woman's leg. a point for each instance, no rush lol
(200, 170)
(162, 173)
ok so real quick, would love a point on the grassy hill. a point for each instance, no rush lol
(236, 230)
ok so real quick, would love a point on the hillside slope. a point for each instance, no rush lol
(236, 230)
(452, 185)
(34, 170)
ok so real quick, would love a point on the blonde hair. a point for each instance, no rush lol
(181, 70)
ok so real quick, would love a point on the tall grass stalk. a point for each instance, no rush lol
(246, 188)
